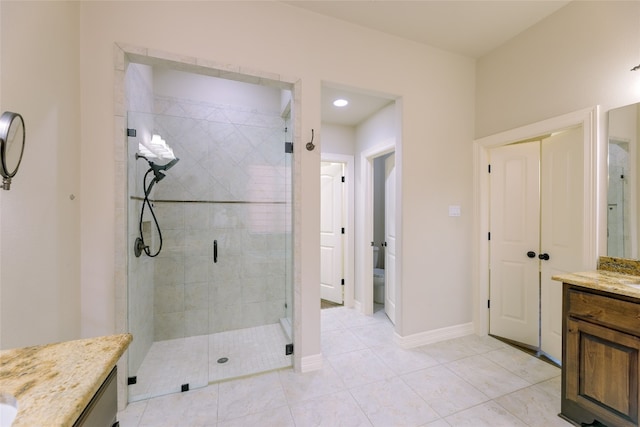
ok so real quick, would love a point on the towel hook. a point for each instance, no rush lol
(310, 145)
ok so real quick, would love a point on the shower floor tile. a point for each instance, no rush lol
(248, 351)
(194, 360)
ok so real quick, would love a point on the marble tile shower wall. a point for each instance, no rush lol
(231, 183)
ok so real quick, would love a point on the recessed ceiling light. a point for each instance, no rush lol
(340, 102)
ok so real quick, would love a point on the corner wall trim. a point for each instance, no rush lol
(433, 336)
(311, 363)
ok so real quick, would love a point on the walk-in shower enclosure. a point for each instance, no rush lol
(216, 301)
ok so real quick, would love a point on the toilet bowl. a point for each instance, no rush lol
(378, 285)
(378, 279)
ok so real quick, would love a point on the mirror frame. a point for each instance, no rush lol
(7, 119)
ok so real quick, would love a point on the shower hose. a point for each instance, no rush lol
(147, 202)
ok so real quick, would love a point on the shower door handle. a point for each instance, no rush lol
(215, 251)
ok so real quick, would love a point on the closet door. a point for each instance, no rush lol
(515, 236)
(562, 222)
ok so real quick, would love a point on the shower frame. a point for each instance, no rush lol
(125, 54)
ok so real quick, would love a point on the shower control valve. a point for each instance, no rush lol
(138, 247)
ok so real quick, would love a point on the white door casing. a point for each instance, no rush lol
(562, 221)
(594, 212)
(390, 237)
(331, 237)
(515, 231)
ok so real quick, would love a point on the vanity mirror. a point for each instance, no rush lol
(623, 195)
(12, 136)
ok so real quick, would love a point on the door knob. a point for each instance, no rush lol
(531, 254)
(544, 257)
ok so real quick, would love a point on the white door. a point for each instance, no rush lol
(515, 236)
(331, 237)
(562, 182)
(390, 237)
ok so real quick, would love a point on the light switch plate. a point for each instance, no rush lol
(454, 210)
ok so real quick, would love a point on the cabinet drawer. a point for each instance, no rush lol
(620, 315)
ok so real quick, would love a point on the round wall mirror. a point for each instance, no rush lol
(12, 137)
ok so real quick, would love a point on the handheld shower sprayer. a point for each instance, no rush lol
(158, 175)
(158, 169)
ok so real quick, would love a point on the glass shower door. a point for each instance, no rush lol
(215, 302)
(167, 289)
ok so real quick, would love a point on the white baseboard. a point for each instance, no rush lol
(436, 335)
(311, 363)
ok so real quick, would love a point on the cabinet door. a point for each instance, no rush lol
(601, 369)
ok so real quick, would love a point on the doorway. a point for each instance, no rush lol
(536, 231)
(384, 239)
(336, 230)
(591, 188)
(332, 231)
(384, 155)
(368, 127)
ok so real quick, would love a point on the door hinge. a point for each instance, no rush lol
(342, 282)
(343, 179)
(489, 168)
(342, 230)
(132, 380)
(288, 147)
(489, 236)
(288, 349)
(184, 387)
(488, 303)
(131, 132)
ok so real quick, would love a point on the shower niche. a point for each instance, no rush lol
(211, 299)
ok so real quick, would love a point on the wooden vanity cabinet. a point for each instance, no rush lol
(600, 357)
(103, 407)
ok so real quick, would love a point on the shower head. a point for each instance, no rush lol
(164, 167)
(158, 169)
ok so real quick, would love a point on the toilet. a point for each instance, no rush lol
(378, 279)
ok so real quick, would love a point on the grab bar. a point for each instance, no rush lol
(215, 251)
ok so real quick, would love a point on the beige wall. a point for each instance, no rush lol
(437, 91)
(40, 234)
(577, 58)
(57, 254)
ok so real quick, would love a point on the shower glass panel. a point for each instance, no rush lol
(214, 303)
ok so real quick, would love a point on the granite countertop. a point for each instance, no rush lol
(53, 383)
(615, 275)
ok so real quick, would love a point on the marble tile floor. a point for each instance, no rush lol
(367, 380)
(194, 360)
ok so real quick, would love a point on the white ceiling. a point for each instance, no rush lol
(468, 27)
(361, 105)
